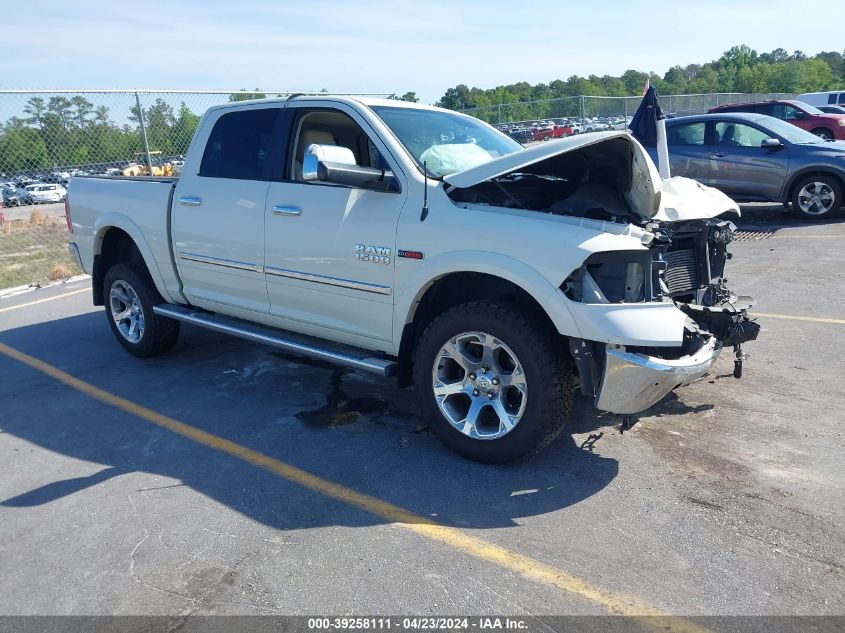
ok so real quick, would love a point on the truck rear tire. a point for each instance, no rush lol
(130, 295)
(495, 383)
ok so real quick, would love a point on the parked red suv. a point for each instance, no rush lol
(805, 116)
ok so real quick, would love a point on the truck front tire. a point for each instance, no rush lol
(494, 381)
(129, 296)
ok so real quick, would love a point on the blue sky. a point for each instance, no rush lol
(379, 47)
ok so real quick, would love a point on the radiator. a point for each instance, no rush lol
(681, 271)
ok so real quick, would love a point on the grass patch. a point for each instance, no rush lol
(34, 251)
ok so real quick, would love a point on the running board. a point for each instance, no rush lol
(289, 342)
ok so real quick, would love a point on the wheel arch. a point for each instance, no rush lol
(118, 239)
(459, 286)
(820, 170)
(822, 128)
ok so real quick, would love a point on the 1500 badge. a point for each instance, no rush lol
(375, 254)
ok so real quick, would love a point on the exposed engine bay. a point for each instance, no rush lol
(684, 262)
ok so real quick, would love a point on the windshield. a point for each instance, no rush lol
(810, 109)
(790, 132)
(446, 142)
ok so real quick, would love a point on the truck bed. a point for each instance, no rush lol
(138, 205)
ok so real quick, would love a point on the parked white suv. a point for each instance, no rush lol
(417, 242)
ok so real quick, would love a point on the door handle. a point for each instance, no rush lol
(190, 201)
(281, 209)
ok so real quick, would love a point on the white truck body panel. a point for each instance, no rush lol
(322, 259)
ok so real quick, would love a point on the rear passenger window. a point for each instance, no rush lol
(239, 145)
(842, 98)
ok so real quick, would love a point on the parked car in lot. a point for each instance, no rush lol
(803, 115)
(13, 196)
(490, 281)
(832, 109)
(521, 134)
(753, 157)
(594, 125)
(46, 193)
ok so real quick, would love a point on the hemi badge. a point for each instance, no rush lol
(410, 254)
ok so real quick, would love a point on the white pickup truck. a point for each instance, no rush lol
(420, 243)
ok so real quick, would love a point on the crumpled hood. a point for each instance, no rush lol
(650, 197)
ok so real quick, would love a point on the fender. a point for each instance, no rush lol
(413, 287)
(120, 221)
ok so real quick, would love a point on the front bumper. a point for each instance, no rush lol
(633, 382)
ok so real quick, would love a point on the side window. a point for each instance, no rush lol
(831, 98)
(239, 145)
(842, 98)
(739, 135)
(686, 134)
(779, 111)
(790, 113)
(332, 127)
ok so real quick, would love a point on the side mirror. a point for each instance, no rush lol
(771, 143)
(798, 114)
(336, 165)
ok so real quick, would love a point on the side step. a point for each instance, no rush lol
(293, 343)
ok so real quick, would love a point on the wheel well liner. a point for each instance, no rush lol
(116, 246)
(455, 289)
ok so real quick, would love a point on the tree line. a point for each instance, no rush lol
(62, 132)
(739, 69)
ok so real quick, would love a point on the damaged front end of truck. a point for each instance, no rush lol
(677, 269)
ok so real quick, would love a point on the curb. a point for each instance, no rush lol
(16, 290)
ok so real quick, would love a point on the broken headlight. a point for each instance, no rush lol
(613, 277)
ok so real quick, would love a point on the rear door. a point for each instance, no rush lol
(218, 211)
(689, 153)
(743, 169)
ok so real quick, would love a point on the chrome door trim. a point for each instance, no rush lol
(330, 281)
(190, 201)
(281, 209)
(218, 261)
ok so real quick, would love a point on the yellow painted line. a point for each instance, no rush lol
(790, 317)
(32, 303)
(525, 566)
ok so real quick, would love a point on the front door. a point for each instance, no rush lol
(741, 168)
(329, 249)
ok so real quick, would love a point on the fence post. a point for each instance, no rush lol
(582, 106)
(500, 113)
(144, 133)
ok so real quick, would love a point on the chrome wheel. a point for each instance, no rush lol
(126, 311)
(816, 198)
(479, 385)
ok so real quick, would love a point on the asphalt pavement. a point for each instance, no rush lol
(227, 478)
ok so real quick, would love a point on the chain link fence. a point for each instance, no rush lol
(587, 107)
(47, 137)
